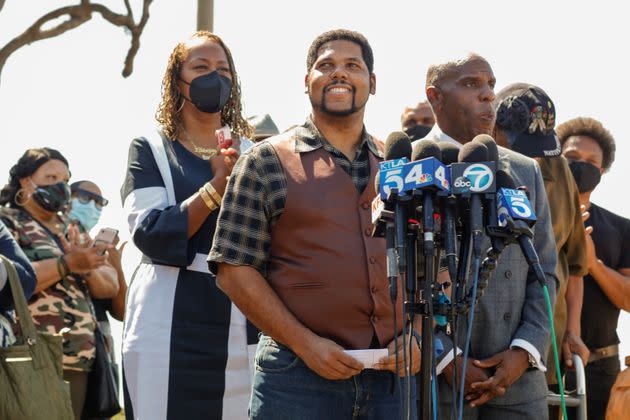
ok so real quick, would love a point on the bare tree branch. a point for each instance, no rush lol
(112, 17)
(128, 9)
(135, 39)
(76, 16)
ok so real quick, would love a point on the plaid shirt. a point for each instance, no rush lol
(257, 191)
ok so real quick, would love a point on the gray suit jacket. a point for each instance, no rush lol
(513, 305)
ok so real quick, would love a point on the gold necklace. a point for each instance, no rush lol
(206, 153)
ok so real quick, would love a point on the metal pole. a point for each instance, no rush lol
(205, 15)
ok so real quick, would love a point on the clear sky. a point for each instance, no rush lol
(67, 92)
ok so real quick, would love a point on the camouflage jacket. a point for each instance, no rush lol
(65, 304)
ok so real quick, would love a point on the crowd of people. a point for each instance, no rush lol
(259, 271)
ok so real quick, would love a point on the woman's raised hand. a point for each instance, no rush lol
(81, 256)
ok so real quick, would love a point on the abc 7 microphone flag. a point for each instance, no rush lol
(473, 177)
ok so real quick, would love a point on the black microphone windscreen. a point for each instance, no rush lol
(473, 152)
(426, 148)
(491, 145)
(504, 180)
(397, 146)
(449, 152)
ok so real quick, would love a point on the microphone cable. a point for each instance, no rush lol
(434, 393)
(436, 396)
(555, 351)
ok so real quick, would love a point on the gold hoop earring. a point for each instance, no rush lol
(19, 198)
(181, 106)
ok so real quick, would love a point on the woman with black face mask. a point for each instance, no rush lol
(185, 345)
(590, 149)
(68, 269)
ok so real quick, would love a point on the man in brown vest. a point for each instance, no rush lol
(293, 250)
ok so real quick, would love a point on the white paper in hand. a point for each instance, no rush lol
(368, 357)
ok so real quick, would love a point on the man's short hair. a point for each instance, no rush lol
(74, 187)
(437, 73)
(590, 127)
(341, 35)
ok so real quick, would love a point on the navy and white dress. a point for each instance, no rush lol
(185, 345)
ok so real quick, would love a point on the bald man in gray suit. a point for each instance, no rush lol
(510, 336)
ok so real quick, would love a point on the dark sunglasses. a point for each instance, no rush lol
(85, 196)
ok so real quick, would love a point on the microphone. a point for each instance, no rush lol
(397, 146)
(512, 202)
(474, 175)
(449, 225)
(397, 153)
(449, 152)
(425, 175)
(424, 149)
(516, 214)
(493, 156)
(388, 213)
(426, 153)
(491, 145)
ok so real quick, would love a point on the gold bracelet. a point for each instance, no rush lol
(207, 199)
(60, 269)
(213, 193)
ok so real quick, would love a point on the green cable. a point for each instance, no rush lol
(555, 352)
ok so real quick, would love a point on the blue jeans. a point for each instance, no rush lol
(285, 388)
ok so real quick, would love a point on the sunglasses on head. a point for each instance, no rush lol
(85, 196)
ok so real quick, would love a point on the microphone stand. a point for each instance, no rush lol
(428, 227)
(424, 306)
(463, 269)
(411, 287)
(449, 235)
(399, 238)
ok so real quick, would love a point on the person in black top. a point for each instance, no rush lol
(590, 149)
(85, 208)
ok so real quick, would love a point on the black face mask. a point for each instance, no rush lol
(210, 92)
(417, 132)
(586, 175)
(52, 197)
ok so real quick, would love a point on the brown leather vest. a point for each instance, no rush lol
(324, 265)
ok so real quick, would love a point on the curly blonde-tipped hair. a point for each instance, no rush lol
(168, 113)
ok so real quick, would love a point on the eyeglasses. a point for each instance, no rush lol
(85, 196)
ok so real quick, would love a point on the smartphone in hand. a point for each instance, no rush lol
(106, 236)
(224, 135)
